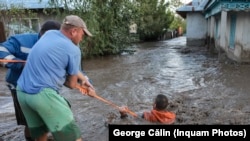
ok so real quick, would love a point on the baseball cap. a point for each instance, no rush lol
(78, 22)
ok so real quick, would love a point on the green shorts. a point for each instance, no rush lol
(47, 111)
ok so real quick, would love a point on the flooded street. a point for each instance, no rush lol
(201, 89)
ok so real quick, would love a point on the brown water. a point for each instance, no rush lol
(200, 88)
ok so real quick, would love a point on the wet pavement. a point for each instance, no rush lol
(201, 89)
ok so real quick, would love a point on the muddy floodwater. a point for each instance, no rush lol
(201, 89)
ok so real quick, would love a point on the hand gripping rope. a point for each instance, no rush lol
(84, 91)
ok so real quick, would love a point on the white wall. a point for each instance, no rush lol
(242, 37)
(196, 29)
(241, 50)
(243, 30)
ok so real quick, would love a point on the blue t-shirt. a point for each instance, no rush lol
(50, 59)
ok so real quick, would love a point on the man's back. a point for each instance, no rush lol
(46, 64)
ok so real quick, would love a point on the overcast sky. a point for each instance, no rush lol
(186, 1)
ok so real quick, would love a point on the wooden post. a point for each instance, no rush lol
(2, 32)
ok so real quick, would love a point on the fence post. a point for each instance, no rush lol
(2, 32)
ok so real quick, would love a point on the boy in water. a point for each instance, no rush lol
(157, 114)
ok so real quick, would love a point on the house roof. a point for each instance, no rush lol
(212, 7)
(215, 6)
(194, 6)
(29, 4)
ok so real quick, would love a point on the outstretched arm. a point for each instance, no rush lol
(7, 51)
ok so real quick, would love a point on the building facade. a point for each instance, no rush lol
(29, 15)
(226, 28)
(196, 23)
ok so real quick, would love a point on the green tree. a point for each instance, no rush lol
(154, 18)
(108, 20)
(175, 3)
(178, 21)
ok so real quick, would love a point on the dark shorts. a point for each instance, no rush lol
(18, 111)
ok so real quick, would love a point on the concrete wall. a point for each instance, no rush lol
(210, 34)
(241, 51)
(196, 29)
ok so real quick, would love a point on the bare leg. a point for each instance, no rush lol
(79, 139)
(42, 138)
(27, 134)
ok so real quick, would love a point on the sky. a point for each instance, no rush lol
(183, 1)
(186, 1)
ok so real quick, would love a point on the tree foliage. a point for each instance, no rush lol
(178, 22)
(154, 17)
(176, 3)
(109, 21)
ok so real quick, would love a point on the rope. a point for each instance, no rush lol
(12, 61)
(85, 91)
(81, 89)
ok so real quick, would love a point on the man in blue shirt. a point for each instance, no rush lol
(53, 62)
(17, 47)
